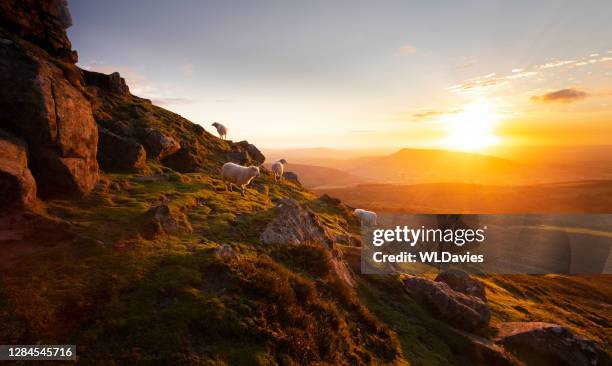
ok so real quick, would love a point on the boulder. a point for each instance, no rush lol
(43, 23)
(159, 145)
(252, 151)
(238, 157)
(461, 281)
(186, 160)
(295, 224)
(111, 83)
(49, 111)
(226, 252)
(16, 182)
(460, 310)
(538, 343)
(119, 153)
(162, 219)
(291, 176)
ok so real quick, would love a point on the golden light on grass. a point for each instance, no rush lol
(473, 129)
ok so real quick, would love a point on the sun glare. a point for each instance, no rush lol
(473, 129)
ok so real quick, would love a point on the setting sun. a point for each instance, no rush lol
(473, 128)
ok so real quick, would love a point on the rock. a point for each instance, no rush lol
(39, 105)
(252, 151)
(119, 153)
(158, 145)
(295, 224)
(16, 182)
(483, 351)
(539, 343)
(461, 281)
(184, 161)
(331, 200)
(460, 310)
(225, 251)
(163, 220)
(291, 176)
(238, 157)
(43, 23)
(111, 83)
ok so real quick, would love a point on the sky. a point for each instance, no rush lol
(461, 75)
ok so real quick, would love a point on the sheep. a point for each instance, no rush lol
(239, 175)
(277, 168)
(221, 129)
(367, 218)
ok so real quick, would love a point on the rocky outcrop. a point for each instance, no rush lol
(459, 310)
(539, 343)
(244, 153)
(159, 145)
(186, 160)
(111, 83)
(43, 23)
(295, 224)
(42, 100)
(253, 152)
(16, 182)
(161, 219)
(461, 281)
(119, 153)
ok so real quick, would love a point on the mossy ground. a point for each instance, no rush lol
(126, 299)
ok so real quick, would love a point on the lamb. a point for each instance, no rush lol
(221, 129)
(277, 168)
(368, 218)
(238, 175)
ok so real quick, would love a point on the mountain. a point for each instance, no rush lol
(426, 166)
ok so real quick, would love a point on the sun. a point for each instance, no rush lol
(473, 129)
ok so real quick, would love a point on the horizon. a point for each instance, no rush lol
(348, 76)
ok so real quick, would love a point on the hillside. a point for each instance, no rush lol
(118, 235)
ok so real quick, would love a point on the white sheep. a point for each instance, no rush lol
(277, 168)
(238, 175)
(367, 218)
(221, 129)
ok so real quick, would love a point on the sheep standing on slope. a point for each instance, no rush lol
(368, 218)
(277, 168)
(238, 175)
(221, 129)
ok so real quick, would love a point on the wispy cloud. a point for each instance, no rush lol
(434, 113)
(560, 96)
(483, 81)
(407, 49)
(172, 101)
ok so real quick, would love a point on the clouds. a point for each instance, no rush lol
(434, 113)
(560, 96)
(407, 49)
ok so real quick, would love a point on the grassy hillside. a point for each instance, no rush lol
(125, 298)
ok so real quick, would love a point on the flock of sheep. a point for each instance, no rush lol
(240, 176)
